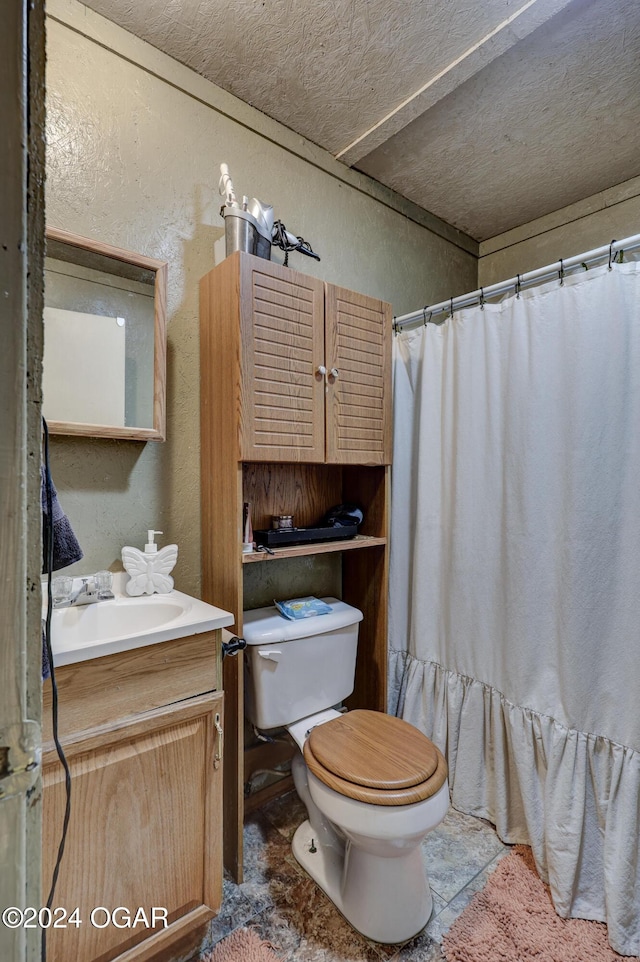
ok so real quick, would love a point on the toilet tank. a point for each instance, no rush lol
(297, 668)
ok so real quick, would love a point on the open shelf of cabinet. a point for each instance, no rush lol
(279, 433)
(302, 550)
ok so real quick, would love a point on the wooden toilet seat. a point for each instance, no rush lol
(375, 758)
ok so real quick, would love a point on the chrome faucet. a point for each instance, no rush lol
(85, 594)
(90, 590)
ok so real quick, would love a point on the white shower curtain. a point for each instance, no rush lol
(515, 575)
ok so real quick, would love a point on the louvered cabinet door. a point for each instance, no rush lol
(358, 360)
(282, 335)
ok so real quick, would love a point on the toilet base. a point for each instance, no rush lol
(385, 899)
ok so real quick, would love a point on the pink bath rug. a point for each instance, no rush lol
(513, 920)
(243, 945)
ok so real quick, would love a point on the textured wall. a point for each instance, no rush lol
(133, 159)
(591, 223)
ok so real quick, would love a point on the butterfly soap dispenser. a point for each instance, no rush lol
(149, 569)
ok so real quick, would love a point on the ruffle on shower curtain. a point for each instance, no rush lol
(514, 616)
(573, 796)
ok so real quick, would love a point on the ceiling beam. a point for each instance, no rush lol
(527, 18)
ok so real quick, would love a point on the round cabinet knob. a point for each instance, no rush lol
(334, 372)
(321, 369)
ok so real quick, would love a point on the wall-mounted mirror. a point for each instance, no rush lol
(104, 340)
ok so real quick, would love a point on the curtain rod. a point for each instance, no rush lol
(560, 269)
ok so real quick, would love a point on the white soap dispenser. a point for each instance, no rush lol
(151, 547)
(149, 570)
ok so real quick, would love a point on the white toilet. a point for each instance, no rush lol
(373, 785)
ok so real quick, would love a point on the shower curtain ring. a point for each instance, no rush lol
(395, 328)
(424, 314)
(482, 298)
(611, 254)
(518, 286)
(561, 273)
(451, 308)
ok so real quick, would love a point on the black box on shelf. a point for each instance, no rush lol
(283, 537)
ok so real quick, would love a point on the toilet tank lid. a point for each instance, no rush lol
(266, 626)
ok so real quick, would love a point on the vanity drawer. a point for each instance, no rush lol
(103, 690)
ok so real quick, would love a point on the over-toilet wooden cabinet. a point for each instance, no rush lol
(313, 362)
(295, 381)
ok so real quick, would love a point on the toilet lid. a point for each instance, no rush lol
(373, 750)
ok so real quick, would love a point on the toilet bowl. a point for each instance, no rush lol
(366, 855)
(373, 785)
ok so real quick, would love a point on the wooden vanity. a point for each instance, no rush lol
(142, 732)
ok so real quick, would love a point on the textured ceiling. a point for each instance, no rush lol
(488, 113)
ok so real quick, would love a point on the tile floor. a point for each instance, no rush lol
(284, 906)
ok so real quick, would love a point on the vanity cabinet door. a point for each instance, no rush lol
(282, 348)
(145, 830)
(358, 359)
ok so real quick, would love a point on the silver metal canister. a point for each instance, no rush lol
(242, 233)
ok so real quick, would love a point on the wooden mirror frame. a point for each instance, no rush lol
(158, 431)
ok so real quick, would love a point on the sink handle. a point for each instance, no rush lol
(104, 581)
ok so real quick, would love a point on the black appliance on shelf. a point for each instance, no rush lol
(339, 523)
(284, 537)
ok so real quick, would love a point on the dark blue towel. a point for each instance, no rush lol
(66, 549)
(46, 667)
